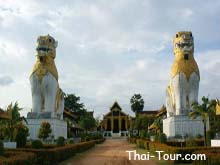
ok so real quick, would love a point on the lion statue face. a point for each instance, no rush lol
(46, 46)
(183, 45)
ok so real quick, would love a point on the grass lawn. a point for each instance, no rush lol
(159, 162)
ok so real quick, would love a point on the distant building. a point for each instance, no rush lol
(73, 128)
(148, 112)
(162, 112)
(115, 123)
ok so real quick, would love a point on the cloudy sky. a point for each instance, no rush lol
(107, 50)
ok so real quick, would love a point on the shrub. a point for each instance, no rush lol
(212, 157)
(191, 142)
(178, 136)
(140, 143)
(199, 136)
(37, 144)
(86, 137)
(21, 135)
(209, 135)
(70, 141)
(132, 140)
(44, 130)
(143, 134)
(58, 154)
(19, 158)
(99, 141)
(162, 138)
(155, 146)
(60, 141)
(175, 143)
(1, 148)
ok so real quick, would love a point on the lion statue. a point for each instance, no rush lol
(47, 97)
(184, 83)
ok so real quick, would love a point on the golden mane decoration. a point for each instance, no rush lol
(183, 47)
(46, 53)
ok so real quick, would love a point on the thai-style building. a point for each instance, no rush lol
(115, 123)
(73, 128)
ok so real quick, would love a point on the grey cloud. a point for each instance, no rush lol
(6, 80)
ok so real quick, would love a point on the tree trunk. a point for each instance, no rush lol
(205, 138)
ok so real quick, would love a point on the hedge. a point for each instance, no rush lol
(212, 157)
(1, 148)
(198, 142)
(99, 141)
(18, 158)
(58, 154)
(155, 146)
(132, 140)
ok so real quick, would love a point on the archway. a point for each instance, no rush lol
(116, 126)
(108, 125)
(123, 128)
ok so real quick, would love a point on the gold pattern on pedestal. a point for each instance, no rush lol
(46, 53)
(183, 51)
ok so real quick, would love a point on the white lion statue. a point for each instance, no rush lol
(184, 83)
(47, 97)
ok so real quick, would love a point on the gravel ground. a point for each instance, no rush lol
(111, 152)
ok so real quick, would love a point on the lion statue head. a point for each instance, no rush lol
(183, 45)
(46, 46)
(46, 53)
(183, 48)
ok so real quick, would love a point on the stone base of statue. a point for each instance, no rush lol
(59, 127)
(183, 126)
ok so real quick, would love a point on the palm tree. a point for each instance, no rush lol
(137, 103)
(202, 110)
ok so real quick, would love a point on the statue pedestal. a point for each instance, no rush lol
(183, 125)
(59, 127)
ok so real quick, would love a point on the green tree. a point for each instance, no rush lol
(87, 122)
(73, 103)
(44, 131)
(202, 110)
(137, 103)
(214, 120)
(21, 135)
(97, 123)
(9, 126)
(157, 125)
(142, 122)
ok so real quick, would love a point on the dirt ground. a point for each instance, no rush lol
(111, 152)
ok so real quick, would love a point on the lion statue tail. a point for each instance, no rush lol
(170, 102)
(59, 103)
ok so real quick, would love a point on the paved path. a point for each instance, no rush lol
(111, 152)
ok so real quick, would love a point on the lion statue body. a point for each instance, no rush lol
(184, 83)
(47, 97)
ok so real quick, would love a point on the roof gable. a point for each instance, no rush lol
(115, 105)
